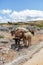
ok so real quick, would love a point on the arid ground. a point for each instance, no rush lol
(32, 55)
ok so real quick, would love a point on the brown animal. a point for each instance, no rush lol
(27, 38)
(18, 35)
(22, 34)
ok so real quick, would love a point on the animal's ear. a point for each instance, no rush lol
(12, 32)
(32, 32)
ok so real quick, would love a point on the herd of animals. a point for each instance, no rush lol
(22, 34)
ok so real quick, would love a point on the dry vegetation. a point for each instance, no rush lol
(38, 23)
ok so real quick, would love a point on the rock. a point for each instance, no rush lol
(2, 60)
(4, 40)
(4, 50)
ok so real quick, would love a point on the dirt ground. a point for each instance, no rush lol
(37, 59)
(37, 38)
(8, 56)
(12, 53)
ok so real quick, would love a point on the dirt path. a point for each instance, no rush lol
(37, 59)
(29, 53)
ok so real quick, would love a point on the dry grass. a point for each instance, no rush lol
(8, 56)
(37, 38)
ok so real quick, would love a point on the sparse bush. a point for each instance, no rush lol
(9, 23)
(1, 36)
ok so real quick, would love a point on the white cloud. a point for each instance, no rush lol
(0, 17)
(4, 19)
(36, 19)
(5, 11)
(25, 15)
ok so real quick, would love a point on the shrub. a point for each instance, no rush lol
(1, 36)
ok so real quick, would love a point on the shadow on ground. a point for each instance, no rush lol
(17, 47)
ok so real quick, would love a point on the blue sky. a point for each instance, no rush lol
(21, 10)
(19, 5)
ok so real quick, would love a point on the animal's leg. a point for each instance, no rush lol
(24, 41)
(29, 41)
(16, 41)
(19, 42)
(27, 44)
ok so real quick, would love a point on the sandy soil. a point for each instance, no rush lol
(37, 59)
(37, 38)
(9, 56)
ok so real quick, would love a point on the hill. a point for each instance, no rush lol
(38, 23)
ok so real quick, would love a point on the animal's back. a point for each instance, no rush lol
(28, 33)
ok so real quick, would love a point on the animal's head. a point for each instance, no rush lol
(32, 31)
(19, 33)
(12, 33)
